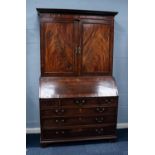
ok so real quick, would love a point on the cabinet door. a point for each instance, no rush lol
(96, 47)
(57, 48)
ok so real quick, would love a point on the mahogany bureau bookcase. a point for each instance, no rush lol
(78, 95)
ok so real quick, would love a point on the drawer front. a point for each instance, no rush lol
(78, 102)
(68, 121)
(78, 132)
(47, 104)
(78, 111)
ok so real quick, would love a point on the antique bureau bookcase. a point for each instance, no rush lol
(78, 95)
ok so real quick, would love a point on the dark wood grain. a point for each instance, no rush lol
(59, 56)
(83, 131)
(94, 102)
(66, 87)
(77, 111)
(76, 44)
(76, 120)
(96, 49)
(76, 102)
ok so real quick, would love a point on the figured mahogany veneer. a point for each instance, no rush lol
(73, 102)
(83, 131)
(59, 48)
(76, 44)
(66, 87)
(49, 122)
(79, 111)
(78, 95)
(96, 39)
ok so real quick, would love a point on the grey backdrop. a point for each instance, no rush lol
(120, 64)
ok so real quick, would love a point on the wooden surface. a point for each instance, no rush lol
(76, 102)
(66, 87)
(59, 51)
(78, 119)
(70, 11)
(96, 47)
(76, 44)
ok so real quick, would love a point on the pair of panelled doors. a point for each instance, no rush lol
(76, 46)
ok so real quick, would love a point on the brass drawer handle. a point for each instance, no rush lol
(83, 101)
(80, 102)
(107, 101)
(59, 110)
(57, 121)
(61, 132)
(77, 101)
(99, 131)
(99, 119)
(62, 120)
(100, 109)
(56, 110)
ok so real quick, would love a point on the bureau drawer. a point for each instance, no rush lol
(48, 103)
(78, 111)
(88, 102)
(78, 102)
(78, 131)
(81, 120)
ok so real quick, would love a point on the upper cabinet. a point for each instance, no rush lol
(76, 43)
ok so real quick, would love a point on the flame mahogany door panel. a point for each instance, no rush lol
(58, 48)
(96, 43)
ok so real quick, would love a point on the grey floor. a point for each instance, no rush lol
(120, 147)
